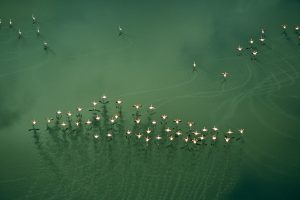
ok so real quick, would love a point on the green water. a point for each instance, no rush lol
(151, 63)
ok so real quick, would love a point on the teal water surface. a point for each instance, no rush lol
(151, 62)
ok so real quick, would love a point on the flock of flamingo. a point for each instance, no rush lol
(150, 130)
(143, 127)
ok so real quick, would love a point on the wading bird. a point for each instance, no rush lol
(58, 114)
(241, 130)
(186, 139)
(251, 41)
(147, 139)
(297, 28)
(34, 122)
(204, 129)
(97, 118)
(139, 135)
(78, 114)
(137, 120)
(64, 125)
(120, 31)
(194, 140)
(215, 129)
(190, 124)
(33, 19)
(254, 54)
(262, 40)
(229, 132)
(148, 131)
(227, 139)
(151, 108)
(194, 66)
(19, 33)
(109, 135)
(214, 137)
(262, 31)
(284, 27)
(202, 137)
(168, 130)
(164, 117)
(69, 114)
(239, 49)
(137, 106)
(128, 132)
(177, 121)
(104, 99)
(94, 109)
(112, 120)
(119, 103)
(45, 45)
(153, 122)
(225, 74)
(49, 120)
(88, 122)
(196, 133)
(178, 133)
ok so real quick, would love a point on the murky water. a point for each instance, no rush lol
(150, 63)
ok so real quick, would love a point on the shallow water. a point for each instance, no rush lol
(151, 63)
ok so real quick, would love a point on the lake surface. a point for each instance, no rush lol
(150, 62)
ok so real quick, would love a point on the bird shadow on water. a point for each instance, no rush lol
(49, 51)
(101, 151)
